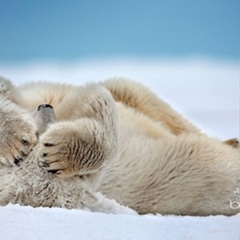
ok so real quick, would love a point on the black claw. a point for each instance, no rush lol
(53, 171)
(44, 106)
(24, 154)
(45, 165)
(25, 142)
(48, 144)
(17, 161)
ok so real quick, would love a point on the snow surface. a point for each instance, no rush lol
(205, 91)
(41, 223)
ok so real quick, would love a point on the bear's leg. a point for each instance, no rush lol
(17, 129)
(140, 98)
(18, 133)
(43, 116)
(84, 145)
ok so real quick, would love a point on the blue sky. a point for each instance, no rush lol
(82, 29)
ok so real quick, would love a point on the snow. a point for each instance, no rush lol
(205, 91)
(41, 223)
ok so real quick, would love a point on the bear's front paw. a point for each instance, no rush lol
(69, 148)
(18, 135)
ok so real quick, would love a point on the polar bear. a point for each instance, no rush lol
(114, 137)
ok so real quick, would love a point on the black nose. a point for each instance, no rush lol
(44, 106)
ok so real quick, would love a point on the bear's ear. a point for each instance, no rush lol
(44, 115)
(234, 142)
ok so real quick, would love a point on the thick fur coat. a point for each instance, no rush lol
(115, 138)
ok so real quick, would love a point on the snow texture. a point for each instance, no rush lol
(205, 91)
(41, 223)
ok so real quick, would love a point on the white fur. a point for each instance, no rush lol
(118, 138)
